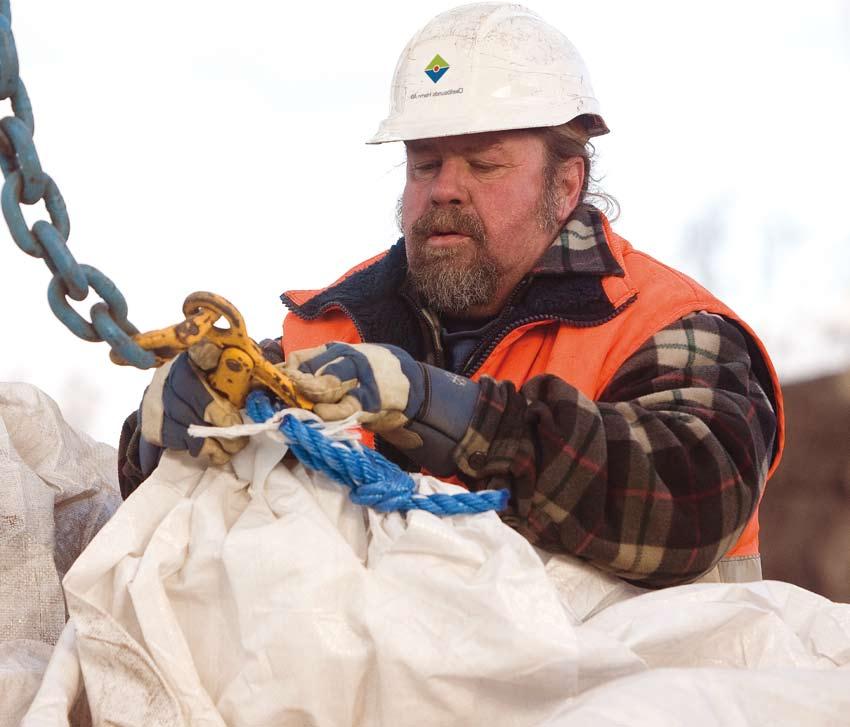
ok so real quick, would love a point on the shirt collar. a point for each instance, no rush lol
(581, 247)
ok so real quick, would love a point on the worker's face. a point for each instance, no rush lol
(476, 214)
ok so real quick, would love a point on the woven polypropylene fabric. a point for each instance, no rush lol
(57, 488)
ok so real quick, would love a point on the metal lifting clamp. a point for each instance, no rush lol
(242, 365)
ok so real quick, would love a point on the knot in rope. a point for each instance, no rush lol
(374, 481)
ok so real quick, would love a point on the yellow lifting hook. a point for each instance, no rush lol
(242, 364)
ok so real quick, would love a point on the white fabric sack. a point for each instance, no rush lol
(61, 689)
(259, 595)
(267, 598)
(763, 653)
(57, 488)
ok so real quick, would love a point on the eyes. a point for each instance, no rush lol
(429, 168)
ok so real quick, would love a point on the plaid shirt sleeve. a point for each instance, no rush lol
(654, 481)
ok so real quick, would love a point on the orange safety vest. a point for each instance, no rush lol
(649, 297)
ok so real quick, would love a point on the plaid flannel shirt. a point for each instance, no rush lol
(656, 479)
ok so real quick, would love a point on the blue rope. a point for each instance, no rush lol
(374, 481)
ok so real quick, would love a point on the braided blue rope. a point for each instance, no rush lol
(374, 481)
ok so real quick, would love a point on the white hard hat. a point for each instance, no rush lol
(487, 67)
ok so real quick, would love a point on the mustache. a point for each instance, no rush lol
(441, 220)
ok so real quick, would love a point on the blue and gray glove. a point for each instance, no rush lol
(421, 409)
(179, 396)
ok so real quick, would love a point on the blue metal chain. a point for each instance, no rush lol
(26, 183)
(374, 481)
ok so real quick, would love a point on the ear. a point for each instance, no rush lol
(571, 182)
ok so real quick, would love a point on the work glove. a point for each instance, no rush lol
(420, 409)
(179, 396)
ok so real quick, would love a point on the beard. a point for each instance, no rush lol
(451, 279)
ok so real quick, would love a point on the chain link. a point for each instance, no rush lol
(26, 183)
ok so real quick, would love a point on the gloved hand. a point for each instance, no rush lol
(178, 396)
(419, 408)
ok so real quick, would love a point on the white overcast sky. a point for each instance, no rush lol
(220, 146)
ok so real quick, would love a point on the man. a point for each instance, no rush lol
(512, 339)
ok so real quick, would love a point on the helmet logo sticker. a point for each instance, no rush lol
(437, 68)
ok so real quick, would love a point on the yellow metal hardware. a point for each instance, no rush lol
(241, 366)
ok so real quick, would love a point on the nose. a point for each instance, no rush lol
(449, 186)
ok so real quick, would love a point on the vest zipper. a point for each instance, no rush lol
(431, 329)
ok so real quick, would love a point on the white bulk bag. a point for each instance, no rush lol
(257, 594)
(57, 488)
